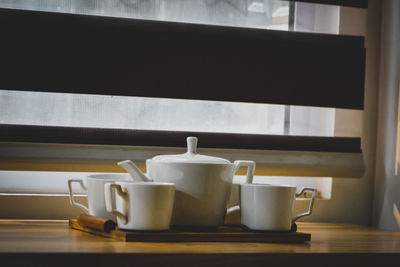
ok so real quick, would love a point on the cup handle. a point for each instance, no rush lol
(71, 194)
(314, 194)
(108, 187)
(232, 215)
(251, 166)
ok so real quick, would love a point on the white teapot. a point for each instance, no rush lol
(203, 183)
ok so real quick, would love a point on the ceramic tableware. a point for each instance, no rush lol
(95, 192)
(269, 207)
(141, 205)
(203, 184)
(134, 172)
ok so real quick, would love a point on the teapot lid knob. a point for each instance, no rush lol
(191, 144)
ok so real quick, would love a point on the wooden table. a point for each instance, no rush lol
(52, 243)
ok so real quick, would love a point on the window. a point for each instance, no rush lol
(80, 110)
(269, 14)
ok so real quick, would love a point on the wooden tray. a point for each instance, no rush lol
(221, 234)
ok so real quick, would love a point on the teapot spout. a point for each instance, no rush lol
(135, 173)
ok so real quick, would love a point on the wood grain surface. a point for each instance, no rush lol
(44, 243)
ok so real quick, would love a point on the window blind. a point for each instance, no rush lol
(69, 53)
(101, 136)
(348, 3)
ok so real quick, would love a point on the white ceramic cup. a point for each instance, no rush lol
(95, 192)
(270, 207)
(141, 205)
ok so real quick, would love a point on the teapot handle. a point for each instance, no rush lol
(251, 166)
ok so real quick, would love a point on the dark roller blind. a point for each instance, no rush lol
(100, 136)
(348, 3)
(55, 52)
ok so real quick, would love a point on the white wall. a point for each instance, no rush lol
(387, 184)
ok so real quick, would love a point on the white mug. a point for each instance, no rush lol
(268, 207)
(141, 205)
(95, 193)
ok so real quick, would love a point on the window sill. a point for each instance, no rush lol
(48, 242)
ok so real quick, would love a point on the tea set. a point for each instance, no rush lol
(187, 190)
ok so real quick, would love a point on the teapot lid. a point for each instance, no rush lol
(191, 155)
